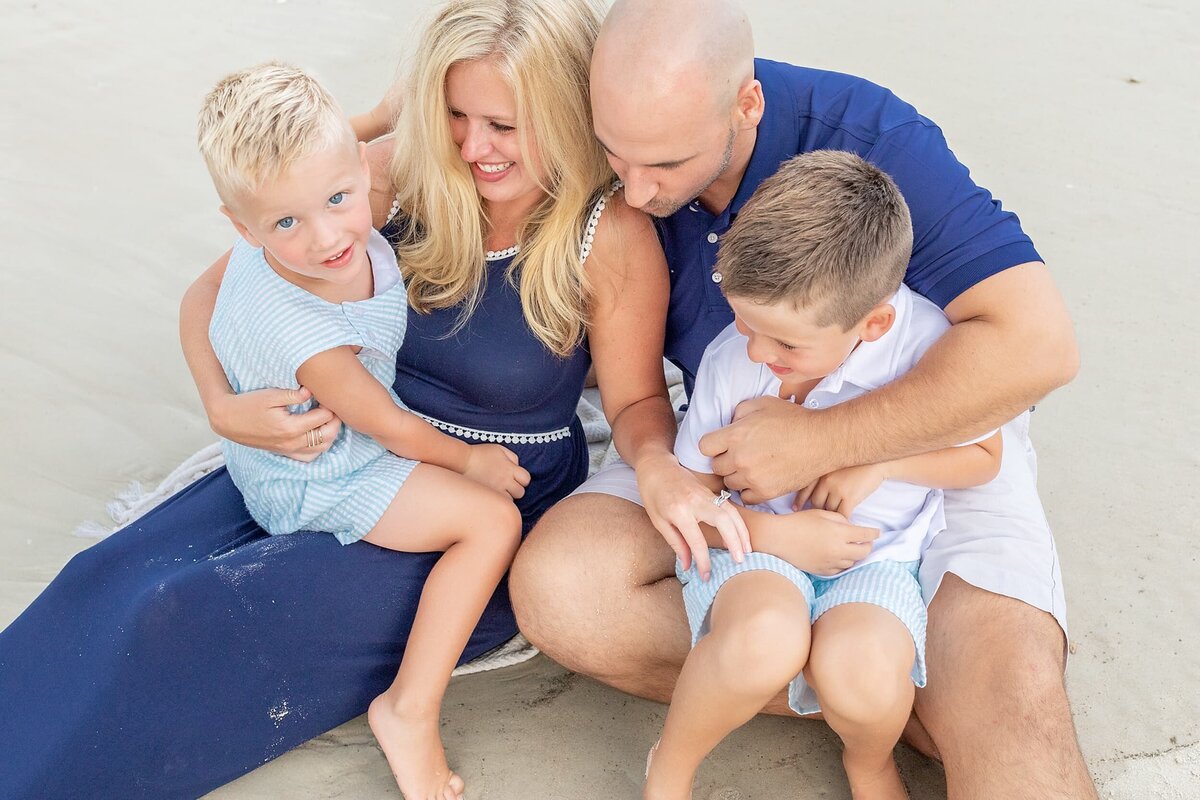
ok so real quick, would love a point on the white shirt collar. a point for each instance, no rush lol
(872, 364)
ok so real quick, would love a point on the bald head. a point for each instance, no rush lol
(657, 49)
(674, 99)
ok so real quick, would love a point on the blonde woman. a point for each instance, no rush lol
(524, 266)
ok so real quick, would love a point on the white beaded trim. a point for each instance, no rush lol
(496, 255)
(589, 233)
(493, 436)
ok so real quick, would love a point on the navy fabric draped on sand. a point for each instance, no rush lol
(191, 647)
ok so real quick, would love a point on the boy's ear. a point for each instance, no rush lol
(242, 230)
(878, 322)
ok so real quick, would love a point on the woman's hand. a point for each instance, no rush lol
(497, 468)
(843, 489)
(261, 420)
(677, 503)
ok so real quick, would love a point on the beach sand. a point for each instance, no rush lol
(1081, 117)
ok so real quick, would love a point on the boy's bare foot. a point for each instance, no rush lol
(413, 746)
(875, 784)
(658, 788)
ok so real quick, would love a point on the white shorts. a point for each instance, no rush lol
(997, 537)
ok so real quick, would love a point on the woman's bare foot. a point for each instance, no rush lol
(877, 783)
(413, 746)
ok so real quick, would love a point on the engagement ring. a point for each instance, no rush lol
(720, 499)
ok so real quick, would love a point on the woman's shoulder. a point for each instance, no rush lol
(614, 228)
(382, 192)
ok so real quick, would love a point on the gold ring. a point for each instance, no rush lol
(320, 434)
(309, 439)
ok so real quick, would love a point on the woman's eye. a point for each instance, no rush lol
(502, 128)
(457, 114)
(285, 223)
(337, 199)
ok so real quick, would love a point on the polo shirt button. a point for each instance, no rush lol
(712, 238)
(813, 404)
(716, 277)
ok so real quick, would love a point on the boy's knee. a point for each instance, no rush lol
(767, 646)
(860, 681)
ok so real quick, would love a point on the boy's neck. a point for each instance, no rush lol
(798, 390)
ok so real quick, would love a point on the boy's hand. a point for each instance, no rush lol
(261, 420)
(843, 489)
(498, 468)
(820, 542)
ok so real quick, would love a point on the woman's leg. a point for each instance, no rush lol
(758, 641)
(478, 531)
(190, 648)
(860, 668)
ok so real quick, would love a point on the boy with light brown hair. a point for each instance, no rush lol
(813, 270)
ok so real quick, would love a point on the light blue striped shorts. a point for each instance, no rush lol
(888, 584)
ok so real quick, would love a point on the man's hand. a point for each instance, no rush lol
(678, 503)
(820, 542)
(497, 468)
(842, 490)
(772, 448)
(261, 420)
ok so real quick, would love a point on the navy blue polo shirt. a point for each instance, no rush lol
(961, 235)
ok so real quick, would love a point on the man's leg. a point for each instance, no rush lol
(594, 588)
(1001, 722)
(996, 705)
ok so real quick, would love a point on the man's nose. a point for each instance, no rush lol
(640, 189)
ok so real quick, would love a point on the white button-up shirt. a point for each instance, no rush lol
(907, 515)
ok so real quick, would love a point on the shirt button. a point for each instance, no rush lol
(813, 404)
(716, 277)
(712, 238)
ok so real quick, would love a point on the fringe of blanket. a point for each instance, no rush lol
(135, 501)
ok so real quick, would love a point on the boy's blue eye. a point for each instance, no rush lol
(337, 198)
(285, 223)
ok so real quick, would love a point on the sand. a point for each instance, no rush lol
(1082, 117)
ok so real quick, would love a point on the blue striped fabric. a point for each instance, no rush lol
(263, 329)
(891, 585)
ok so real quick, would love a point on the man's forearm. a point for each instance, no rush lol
(1012, 344)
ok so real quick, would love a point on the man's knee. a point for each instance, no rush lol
(1021, 675)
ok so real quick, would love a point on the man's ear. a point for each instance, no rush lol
(242, 230)
(750, 106)
(878, 322)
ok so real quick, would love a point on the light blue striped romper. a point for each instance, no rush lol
(263, 328)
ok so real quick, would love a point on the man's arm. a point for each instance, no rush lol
(1011, 343)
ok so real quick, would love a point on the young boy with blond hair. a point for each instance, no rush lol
(313, 297)
(813, 270)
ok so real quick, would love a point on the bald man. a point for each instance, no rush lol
(692, 123)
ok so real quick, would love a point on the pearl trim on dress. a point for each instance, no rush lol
(495, 436)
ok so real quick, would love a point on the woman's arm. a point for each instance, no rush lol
(256, 419)
(342, 384)
(627, 323)
(380, 120)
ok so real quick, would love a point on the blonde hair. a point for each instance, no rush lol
(827, 228)
(257, 122)
(543, 49)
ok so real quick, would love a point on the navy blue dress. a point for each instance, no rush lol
(191, 647)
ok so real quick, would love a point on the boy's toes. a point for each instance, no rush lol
(454, 787)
